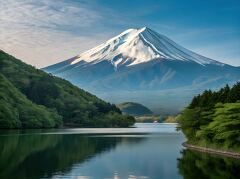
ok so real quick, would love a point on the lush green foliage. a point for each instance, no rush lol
(213, 118)
(76, 106)
(16, 111)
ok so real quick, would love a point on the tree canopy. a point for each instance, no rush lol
(75, 107)
(213, 118)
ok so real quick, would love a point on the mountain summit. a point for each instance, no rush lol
(135, 46)
(139, 63)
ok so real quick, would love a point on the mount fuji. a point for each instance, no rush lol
(144, 66)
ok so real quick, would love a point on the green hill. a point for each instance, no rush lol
(17, 111)
(135, 109)
(39, 93)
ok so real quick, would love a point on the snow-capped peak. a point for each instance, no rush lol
(135, 46)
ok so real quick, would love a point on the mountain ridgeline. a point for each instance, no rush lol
(212, 119)
(134, 109)
(31, 98)
(144, 66)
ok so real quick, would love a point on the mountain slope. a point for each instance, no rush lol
(135, 109)
(16, 111)
(142, 60)
(76, 106)
(135, 46)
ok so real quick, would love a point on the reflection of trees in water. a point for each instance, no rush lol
(197, 165)
(35, 156)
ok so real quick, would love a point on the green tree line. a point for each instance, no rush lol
(213, 118)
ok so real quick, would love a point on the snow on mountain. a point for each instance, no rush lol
(143, 66)
(135, 46)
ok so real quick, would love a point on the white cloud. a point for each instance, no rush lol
(46, 13)
(44, 47)
(40, 33)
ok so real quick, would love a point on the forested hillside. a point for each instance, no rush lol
(16, 111)
(213, 119)
(76, 107)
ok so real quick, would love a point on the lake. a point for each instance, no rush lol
(148, 151)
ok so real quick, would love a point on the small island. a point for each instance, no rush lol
(211, 122)
(135, 109)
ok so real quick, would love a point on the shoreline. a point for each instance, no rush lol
(235, 155)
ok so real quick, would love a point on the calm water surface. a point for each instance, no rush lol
(149, 151)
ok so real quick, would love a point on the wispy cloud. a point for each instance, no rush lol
(47, 14)
(41, 32)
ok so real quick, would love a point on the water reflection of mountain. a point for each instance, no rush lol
(199, 165)
(36, 156)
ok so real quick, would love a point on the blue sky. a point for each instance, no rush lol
(45, 32)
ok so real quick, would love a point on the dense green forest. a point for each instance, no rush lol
(31, 98)
(17, 111)
(213, 119)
